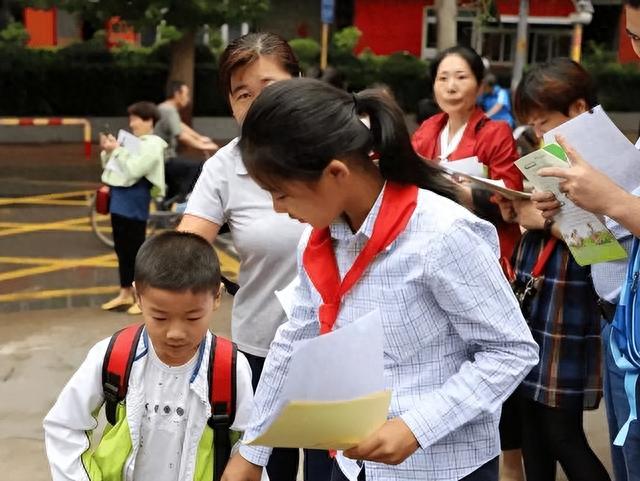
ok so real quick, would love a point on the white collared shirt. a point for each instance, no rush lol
(448, 147)
(456, 344)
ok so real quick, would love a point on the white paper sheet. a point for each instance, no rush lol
(346, 363)
(469, 166)
(129, 142)
(286, 296)
(333, 396)
(600, 142)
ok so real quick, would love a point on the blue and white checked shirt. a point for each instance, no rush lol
(456, 344)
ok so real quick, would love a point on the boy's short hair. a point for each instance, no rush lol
(177, 261)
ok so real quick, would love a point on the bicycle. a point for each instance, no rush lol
(162, 216)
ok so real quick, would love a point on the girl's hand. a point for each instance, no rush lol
(108, 143)
(527, 215)
(239, 469)
(391, 444)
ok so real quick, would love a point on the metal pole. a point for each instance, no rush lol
(521, 45)
(576, 42)
(325, 46)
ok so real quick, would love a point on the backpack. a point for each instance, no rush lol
(116, 368)
(625, 337)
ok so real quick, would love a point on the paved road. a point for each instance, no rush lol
(49, 256)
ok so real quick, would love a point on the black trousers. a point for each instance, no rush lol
(181, 175)
(128, 236)
(553, 435)
(283, 463)
(486, 472)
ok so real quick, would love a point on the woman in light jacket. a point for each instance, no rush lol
(135, 174)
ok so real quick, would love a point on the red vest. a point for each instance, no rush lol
(489, 140)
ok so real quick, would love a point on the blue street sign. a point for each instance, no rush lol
(326, 11)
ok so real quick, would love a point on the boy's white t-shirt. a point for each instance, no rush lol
(164, 422)
(166, 396)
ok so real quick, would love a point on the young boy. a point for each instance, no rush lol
(161, 432)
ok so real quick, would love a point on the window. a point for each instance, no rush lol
(498, 44)
(429, 33)
(545, 44)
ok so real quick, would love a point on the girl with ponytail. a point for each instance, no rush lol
(387, 235)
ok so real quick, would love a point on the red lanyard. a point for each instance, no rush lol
(543, 258)
(319, 259)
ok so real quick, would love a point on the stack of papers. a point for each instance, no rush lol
(334, 395)
(474, 171)
(129, 142)
(586, 236)
(596, 138)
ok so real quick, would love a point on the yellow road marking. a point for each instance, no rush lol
(45, 197)
(34, 227)
(73, 203)
(107, 260)
(88, 291)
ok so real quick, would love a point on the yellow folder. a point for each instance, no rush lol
(326, 424)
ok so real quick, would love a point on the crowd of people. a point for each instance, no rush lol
(329, 198)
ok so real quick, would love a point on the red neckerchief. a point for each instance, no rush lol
(319, 259)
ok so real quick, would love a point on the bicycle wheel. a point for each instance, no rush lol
(100, 224)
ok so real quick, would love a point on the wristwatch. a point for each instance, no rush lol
(548, 224)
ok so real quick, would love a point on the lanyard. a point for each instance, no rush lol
(319, 259)
(194, 374)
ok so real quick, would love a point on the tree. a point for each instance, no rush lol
(186, 16)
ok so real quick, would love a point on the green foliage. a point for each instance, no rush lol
(183, 15)
(345, 40)
(405, 74)
(86, 79)
(307, 50)
(14, 34)
(617, 84)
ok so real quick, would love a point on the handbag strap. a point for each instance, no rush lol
(544, 257)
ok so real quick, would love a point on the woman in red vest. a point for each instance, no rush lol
(462, 130)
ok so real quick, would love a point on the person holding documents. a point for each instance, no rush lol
(562, 312)
(135, 174)
(463, 131)
(386, 236)
(594, 191)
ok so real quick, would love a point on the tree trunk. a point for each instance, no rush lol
(447, 13)
(183, 65)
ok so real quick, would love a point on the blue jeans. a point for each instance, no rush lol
(625, 459)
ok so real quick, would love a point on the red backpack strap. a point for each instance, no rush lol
(116, 367)
(222, 397)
